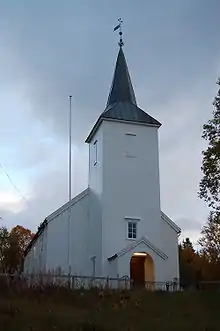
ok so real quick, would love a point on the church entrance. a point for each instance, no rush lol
(141, 269)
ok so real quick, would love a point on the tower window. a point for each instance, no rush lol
(130, 144)
(132, 230)
(95, 152)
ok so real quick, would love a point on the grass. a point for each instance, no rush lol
(59, 309)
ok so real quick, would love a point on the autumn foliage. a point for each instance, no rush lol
(12, 248)
(196, 266)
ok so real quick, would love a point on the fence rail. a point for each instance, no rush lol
(81, 282)
(18, 282)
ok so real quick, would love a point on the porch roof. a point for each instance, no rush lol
(134, 244)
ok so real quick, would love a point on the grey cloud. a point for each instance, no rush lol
(189, 224)
(49, 189)
(49, 192)
(70, 54)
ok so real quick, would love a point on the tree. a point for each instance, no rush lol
(12, 248)
(22, 236)
(187, 263)
(209, 189)
(19, 240)
(187, 245)
(210, 240)
(4, 245)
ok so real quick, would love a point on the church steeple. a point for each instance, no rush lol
(121, 89)
(121, 103)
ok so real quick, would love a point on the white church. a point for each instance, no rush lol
(117, 228)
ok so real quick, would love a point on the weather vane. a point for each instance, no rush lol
(120, 31)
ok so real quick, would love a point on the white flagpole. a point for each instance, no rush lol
(70, 181)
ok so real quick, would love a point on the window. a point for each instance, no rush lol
(132, 230)
(95, 152)
(130, 144)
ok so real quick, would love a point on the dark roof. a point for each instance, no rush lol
(128, 112)
(121, 104)
(121, 89)
(123, 111)
(40, 230)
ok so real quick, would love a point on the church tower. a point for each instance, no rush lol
(124, 170)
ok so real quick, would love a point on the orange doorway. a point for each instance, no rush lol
(141, 269)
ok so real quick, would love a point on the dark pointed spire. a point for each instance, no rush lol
(121, 104)
(121, 89)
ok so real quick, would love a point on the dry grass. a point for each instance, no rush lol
(60, 309)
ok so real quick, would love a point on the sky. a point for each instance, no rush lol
(50, 49)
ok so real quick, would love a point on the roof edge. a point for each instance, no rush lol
(94, 129)
(56, 213)
(144, 240)
(64, 207)
(102, 118)
(168, 220)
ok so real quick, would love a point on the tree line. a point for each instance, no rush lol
(204, 265)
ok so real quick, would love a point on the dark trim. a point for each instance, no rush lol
(94, 129)
(40, 230)
(113, 257)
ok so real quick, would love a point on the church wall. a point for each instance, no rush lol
(130, 184)
(94, 231)
(169, 245)
(35, 261)
(57, 243)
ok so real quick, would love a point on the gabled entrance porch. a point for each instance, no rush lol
(142, 269)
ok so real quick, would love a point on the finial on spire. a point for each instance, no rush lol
(120, 31)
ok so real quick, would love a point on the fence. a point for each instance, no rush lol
(80, 282)
(20, 282)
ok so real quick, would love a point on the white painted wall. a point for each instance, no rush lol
(169, 245)
(131, 185)
(125, 183)
(57, 234)
(96, 198)
(49, 252)
(35, 260)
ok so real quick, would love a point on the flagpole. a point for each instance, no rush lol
(70, 186)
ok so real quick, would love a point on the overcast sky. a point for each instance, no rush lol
(50, 49)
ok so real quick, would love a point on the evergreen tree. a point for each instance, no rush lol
(188, 263)
(187, 244)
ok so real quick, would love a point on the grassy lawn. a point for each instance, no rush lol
(95, 310)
